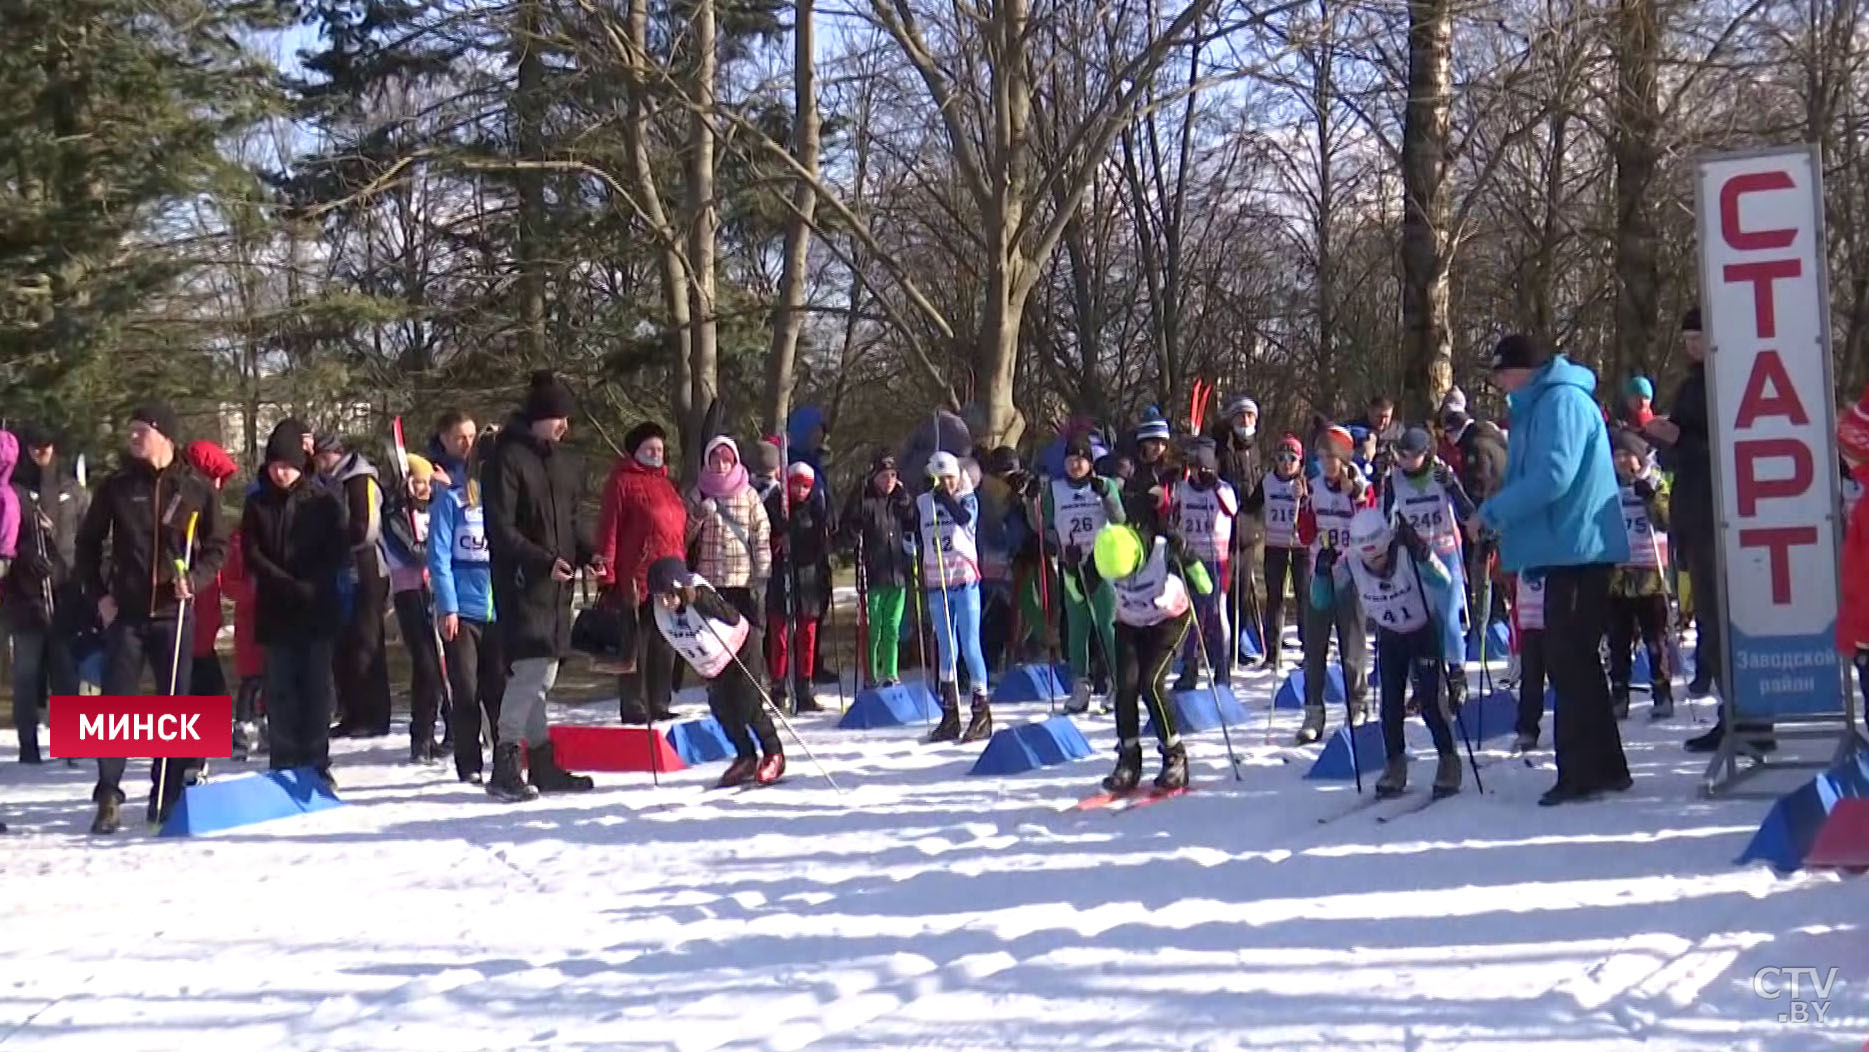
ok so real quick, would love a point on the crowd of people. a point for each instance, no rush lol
(1123, 554)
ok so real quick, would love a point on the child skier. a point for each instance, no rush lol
(1153, 616)
(1424, 492)
(1385, 568)
(1324, 525)
(1529, 607)
(1074, 509)
(801, 584)
(951, 575)
(1638, 598)
(879, 525)
(405, 543)
(461, 576)
(1205, 508)
(1280, 495)
(719, 639)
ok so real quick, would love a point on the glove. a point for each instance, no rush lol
(1644, 489)
(707, 508)
(1327, 559)
(1100, 486)
(1199, 579)
(1073, 556)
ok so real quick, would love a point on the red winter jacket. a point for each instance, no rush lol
(1853, 616)
(643, 520)
(249, 657)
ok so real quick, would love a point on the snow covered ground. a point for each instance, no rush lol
(924, 909)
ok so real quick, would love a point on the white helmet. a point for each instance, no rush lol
(1370, 533)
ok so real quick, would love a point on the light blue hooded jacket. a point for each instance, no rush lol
(1560, 504)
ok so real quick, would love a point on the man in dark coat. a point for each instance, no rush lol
(536, 543)
(1476, 450)
(133, 541)
(1236, 442)
(38, 601)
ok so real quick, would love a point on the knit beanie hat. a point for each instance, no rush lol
(767, 458)
(1623, 440)
(666, 575)
(1202, 455)
(1291, 444)
(1455, 400)
(641, 433)
(1153, 427)
(158, 416)
(547, 398)
(420, 469)
(1690, 320)
(1519, 351)
(1641, 386)
(286, 445)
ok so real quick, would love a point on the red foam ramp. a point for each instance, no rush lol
(613, 749)
(1843, 841)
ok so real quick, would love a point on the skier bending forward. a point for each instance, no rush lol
(719, 639)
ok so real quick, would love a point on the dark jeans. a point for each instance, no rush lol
(1643, 617)
(1142, 659)
(646, 691)
(1412, 655)
(129, 648)
(1584, 732)
(298, 704)
(1531, 680)
(206, 678)
(477, 678)
(42, 668)
(1346, 616)
(359, 666)
(419, 638)
(1282, 564)
(1703, 575)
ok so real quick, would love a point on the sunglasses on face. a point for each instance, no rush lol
(1287, 458)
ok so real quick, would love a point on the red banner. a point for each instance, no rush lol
(88, 727)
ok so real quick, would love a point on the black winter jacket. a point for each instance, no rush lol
(1690, 458)
(801, 555)
(294, 547)
(883, 528)
(48, 515)
(531, 490)
(142, 515)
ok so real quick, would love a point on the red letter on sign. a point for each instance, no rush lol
(1752, 489)
(1739, 186)
(1780, 541)
(1765, 318)
(1769, 368)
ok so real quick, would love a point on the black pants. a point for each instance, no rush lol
(1281, 565)
(419, 638)
(360, 667)
(1531, 680)
(1142, 659)
(645, 692)
(298, 704)
(1643, 617)
(42, 669)
(1703, 575)
(1587, 741)
(1412, 655)
(733, 699)
(1346, 616)
(129, 648)
(997, 616)
(477, 681)
(206, 677)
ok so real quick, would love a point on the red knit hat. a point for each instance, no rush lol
(1338, 438)
(211, 460)
(1853, 431)
(1290, 442)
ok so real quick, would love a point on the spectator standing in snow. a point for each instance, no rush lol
(129, 551)
(879, 525)
(537, 542)
(461, 577)
(405, 538)
(1853, 614)
(1559, 516)
(293, 550)
(37, 599)
(362, 667)
(801, 585)
(1637, 408)
(452, 444)
(1236, 445)
(643, 519)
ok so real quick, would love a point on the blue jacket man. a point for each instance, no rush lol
(1559, 516)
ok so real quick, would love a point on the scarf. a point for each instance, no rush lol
(717, 485)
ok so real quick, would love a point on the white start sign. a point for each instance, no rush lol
(1765, 312)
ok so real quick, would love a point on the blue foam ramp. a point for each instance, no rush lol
(1196, 711)
(249, 799)
(1791, 828)
(1034, 683)
(1489, 716)
(1498, 643)
(699, 741)
(1334, 762)
(1250, 646)
(1029, 746)
(1291, 693)
(895, 706)
(1639, 672)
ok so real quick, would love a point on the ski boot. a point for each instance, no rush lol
(109, 817)
(807, 698)
(1313, 727)
(1174, 776)
(1447, 775)
(547, 777)
(506, 785)
(949, 728)
(739, 772)
(1188, 680)
(771, 769)
(1456, 689)
(980, 720)
(1394, 780)
(1079, 701)
(1128, 770)
(1661, 705)
(1525, 742)
(1620, 703)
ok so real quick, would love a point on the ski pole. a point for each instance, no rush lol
(1044, 602)
(1672, 652)
(767, 700)
(175, 658)
(1213, 678)
(921, 634)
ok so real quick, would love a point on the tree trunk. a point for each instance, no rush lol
(670, 263)
(1007, 284)
(788, 316)
(1636, 149)
(1540, 306)
(1323, 99)
(528, 145)
(703, 222)
(1427, 343)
